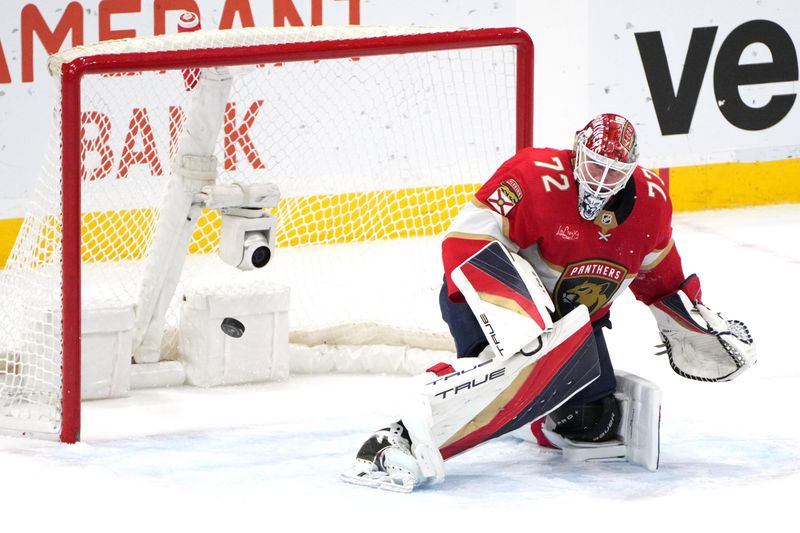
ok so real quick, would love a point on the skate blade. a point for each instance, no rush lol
(378, 480)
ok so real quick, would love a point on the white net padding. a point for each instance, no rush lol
(373, 156)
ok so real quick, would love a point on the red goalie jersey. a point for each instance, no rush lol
(530, 205)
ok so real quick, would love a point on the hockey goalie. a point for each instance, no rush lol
(532, 266)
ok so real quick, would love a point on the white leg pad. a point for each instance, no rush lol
(474, 399)
(418, 419)
(640, 401)
(638, 439)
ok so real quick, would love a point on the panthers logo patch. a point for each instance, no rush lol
(591, 283)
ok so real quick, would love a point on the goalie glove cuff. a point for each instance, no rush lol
(691, 288)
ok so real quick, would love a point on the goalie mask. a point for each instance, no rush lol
(605, 157)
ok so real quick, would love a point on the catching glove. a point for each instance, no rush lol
(700, 343)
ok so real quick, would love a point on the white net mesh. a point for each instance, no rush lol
(373, 156)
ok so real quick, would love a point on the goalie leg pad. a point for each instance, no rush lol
(638, 436)
(459, 406)
(640, 430)
(474, 401)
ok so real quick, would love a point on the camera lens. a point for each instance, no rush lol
(261, 257)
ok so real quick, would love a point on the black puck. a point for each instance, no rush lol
(232, 327)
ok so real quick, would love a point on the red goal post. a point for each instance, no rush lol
(180, 53)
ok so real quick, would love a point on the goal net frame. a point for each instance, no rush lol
(73, 70)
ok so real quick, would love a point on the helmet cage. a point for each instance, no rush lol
(599, 175)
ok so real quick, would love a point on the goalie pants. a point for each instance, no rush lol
(470, 341)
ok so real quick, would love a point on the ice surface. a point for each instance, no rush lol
(267, 457)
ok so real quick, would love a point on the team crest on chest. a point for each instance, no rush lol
(505, 197)
(592, 283)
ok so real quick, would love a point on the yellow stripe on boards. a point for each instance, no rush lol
(324, 219)
(116, 235)
(353, 217)
(727, 185)
(9, 229)
(367, 216)
(356, 217)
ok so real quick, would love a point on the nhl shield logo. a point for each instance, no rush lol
(591, 283)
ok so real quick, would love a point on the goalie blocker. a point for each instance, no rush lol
(507, 297)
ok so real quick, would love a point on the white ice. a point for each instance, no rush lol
(267, 457)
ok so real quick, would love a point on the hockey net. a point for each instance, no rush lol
(374, 136)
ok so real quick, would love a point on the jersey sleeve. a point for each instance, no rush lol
(661, 272)
(496, 212)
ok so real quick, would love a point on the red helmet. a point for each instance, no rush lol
(606, 152)
(611, 136)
